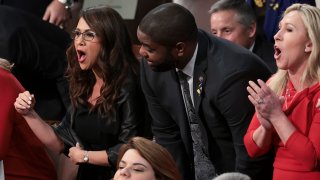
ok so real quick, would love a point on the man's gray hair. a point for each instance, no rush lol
(232, 176)
(244, 13)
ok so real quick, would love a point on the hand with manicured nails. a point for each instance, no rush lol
(24, 103)
(267, 104)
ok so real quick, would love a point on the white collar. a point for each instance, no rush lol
(189, 68)
(252, 46)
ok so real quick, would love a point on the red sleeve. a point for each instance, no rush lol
(10, 88)
(252, 148)
(306, 149)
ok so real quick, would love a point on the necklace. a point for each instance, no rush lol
(289, 95)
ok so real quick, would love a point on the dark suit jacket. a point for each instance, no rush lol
(223, 107)
(265, 51)
(38, 50)
(36, 7)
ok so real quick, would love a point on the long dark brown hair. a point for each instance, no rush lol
(116, 60)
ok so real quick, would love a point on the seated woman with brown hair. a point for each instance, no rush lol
(142, 159)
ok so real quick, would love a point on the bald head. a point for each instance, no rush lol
(168, 24)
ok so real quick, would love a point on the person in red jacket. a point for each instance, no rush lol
(22, 153)
(287, 118)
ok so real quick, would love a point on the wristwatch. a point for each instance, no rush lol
(67, 3)
(85, 157)
(63, 1)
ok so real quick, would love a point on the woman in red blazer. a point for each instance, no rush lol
(23, 155)
(290, 124)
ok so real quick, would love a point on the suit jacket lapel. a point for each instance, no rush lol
(199, 74)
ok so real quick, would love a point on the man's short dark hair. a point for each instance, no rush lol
(168, 24)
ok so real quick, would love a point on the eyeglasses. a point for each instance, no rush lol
(86, 35)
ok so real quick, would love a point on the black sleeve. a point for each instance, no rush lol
(130, 114)
(65, 133)
(233, 103)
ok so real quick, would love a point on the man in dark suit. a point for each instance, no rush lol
(236, 21)
(219, 72)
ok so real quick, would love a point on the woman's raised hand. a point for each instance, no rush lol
(266, 102)
(24, 103)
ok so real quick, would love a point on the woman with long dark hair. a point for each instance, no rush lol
(105, 96)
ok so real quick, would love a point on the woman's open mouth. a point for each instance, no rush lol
(81, 55)
(277, 52)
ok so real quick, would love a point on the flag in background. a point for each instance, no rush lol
(273, 13)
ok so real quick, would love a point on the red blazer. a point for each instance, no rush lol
(299, 158)
(23, 154)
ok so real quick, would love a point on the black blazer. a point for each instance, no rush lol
(105, 132)
(38, 50)
(223, 107)
(35, 7)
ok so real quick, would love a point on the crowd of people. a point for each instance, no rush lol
(198, 105)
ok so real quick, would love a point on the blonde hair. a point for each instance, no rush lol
(5, 64)
(310, 16)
